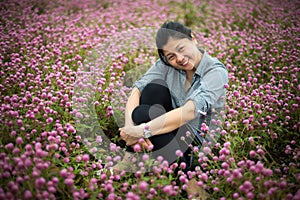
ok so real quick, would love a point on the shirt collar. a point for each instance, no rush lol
(200, 67)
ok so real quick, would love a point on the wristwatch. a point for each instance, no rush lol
(147, 131)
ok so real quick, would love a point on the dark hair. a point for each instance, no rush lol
(167, 30)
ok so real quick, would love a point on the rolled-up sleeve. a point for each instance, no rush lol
(211, 92)
(156, 71)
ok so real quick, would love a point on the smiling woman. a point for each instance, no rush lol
(183, 54)
(181, 50)
(174, 97)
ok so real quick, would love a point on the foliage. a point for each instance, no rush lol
(66, 72)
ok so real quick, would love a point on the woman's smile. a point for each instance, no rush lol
(184, 62)
(182, 53)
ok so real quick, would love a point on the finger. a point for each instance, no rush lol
(148, 142)
(122, 129)
(150, 145)
(131, 142)
(124, 136)
(145, 145)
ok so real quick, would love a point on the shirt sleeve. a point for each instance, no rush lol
(211, 92)
(156, 71)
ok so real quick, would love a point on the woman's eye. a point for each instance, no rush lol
(170, 58)
(181, 49)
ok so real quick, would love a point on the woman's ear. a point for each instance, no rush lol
(194, 38)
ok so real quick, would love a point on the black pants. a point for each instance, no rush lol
(156, 100)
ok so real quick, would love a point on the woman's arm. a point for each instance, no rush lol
(172, 119)
(132, 102)
(164, 123)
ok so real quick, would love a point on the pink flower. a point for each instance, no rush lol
(145, 157)
(207, 150)
(99, 139)
(250, 195)
(183, 179)
(236, 93)
(204, 177)
(79, 115)
(49, 120)
(235, 195)
(9, 146)
(267, 172)
(69, 181)
(96, 103)
(182, 165)
(19, 122)
(108, 187)
(245, 121)
(226, 144)
(19, 140)
(283, 184)
(260, 152)
(141, 140)
(225, 165)
(252, 153)
(78, 158)
(39, 182)
(179, 153)
(143, 186)
(64, 173)
(150, 147)
(27, 163)
(167, 189)
(27, 194)
(85, 158)
(223, 132)
(137, 148)
(250, 139)
(113, 147)
(132, 196)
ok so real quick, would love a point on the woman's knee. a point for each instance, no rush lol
(157, 85)
(157, 92)
(145, 113)
(140, 114)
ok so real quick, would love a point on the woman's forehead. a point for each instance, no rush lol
(174, 43)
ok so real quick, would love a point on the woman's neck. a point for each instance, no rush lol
(190, 74)
(200, 55)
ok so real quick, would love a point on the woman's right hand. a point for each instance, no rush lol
(146, 145)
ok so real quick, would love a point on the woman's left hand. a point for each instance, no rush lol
(129, 139)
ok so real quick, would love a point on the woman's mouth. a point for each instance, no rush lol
(185, 63)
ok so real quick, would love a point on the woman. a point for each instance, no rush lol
(175, 95)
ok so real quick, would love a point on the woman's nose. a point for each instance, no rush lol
(180, 58)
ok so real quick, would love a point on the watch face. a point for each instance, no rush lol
(147, 133)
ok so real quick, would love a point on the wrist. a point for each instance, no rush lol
(146, 129)
(129, 123)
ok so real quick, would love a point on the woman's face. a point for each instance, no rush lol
(182, 53)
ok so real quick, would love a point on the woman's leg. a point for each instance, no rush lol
(155, 100)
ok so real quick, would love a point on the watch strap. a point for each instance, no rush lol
(147, 131)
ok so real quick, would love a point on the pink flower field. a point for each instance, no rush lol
(67, 68)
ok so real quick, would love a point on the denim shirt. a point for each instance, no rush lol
(207, 89)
